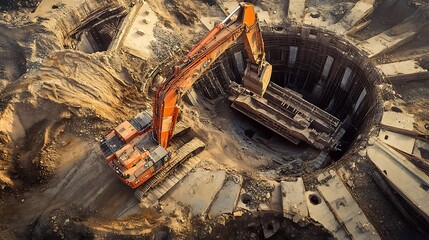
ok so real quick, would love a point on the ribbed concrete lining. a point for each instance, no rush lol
(326, 70)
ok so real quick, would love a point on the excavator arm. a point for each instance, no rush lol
(199, 59)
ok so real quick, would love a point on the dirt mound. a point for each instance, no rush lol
(22, 48)
(7, 5)
(59, 223)
(71, 92)
(184, 11)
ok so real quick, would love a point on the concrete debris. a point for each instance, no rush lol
(345, 176)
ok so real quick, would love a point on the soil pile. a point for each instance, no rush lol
(70, 87)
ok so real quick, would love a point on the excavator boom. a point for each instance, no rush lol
(137, 149)
(199, 59)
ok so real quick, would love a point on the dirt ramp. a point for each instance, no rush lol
(63, 224)
(71, 92)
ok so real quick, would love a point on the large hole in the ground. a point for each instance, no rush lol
(327, 71)
(98, 32)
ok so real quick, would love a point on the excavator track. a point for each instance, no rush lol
(178, 157)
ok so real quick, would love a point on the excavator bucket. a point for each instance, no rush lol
(257, 82)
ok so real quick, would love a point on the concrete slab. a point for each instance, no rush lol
(400, 68)
(398, 122)
(319, 211)
(227, 197)
(276, 198)
(397, 140)
(408, 181)
(198, 189)
(359, 11)
(241, 205)
(293, 200)
(296, 10)
(346, 210)
(397, 35)
(139, 33)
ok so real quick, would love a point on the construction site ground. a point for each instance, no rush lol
(58, 98)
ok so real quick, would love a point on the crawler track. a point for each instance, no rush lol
(178, 157)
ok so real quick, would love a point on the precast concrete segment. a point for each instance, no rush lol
(293, 200)
(227, 197)
(199, 189)
(399, 141)
(346, 210)
(319, 211)
(398, 122)
(408, 181)
(359, 11)
(397, 35)
(404, 71)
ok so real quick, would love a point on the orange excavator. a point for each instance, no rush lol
(138, 149)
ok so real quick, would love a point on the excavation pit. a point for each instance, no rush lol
(322, 69)
(97, 34)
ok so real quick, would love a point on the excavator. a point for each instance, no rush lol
(138, 149)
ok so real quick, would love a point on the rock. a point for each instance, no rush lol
(362, 153)
(315, 14)
(238, 213)
(176, 213)
(221, 220)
